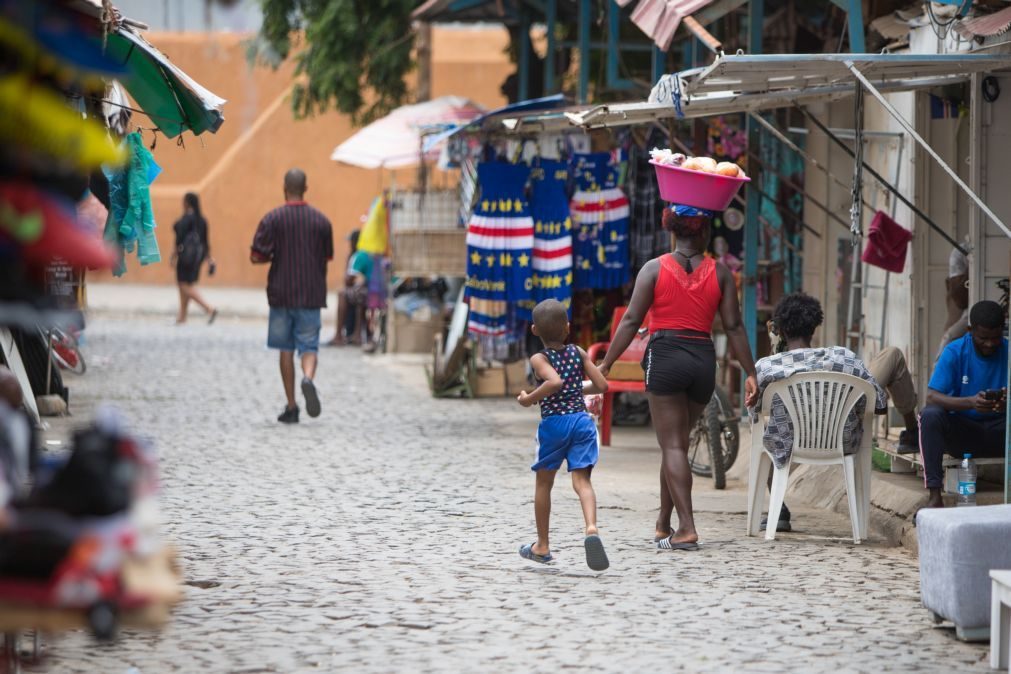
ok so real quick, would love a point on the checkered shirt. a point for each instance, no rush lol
(778, 437)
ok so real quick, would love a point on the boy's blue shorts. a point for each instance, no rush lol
(572, 437)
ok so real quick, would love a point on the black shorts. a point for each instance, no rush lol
(680, 363)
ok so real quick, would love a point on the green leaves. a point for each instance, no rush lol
(355, 55)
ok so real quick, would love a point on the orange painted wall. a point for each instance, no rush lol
(238, 171)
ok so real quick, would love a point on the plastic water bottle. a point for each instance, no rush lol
(967, 481)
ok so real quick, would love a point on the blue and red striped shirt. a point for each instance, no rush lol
(298, 241)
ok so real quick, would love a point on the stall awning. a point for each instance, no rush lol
(735, 84)
(170, 97)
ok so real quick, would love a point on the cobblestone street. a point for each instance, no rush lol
(383, 537)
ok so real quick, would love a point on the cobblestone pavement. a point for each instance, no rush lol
(382, 537)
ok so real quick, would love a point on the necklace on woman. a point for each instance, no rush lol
(688, 258)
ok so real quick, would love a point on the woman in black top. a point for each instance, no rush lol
(190, 252)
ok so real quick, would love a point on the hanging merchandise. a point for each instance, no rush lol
(373, 239)
(552, 255)
(887, 242)
(600, 215)
(500, 240)
(131, 220)
(647, 239)
(40, 226)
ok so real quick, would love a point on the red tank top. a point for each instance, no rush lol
(683, 301)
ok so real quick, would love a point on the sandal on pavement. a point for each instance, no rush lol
(596, 558)
(668, 544)
(311, 397)
(527, 552)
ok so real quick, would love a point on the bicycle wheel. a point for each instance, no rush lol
(66, 353)
(698, 449)
(714, 430)
(730, 427)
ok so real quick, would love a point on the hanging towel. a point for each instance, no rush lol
(600, 220)
(886, 246)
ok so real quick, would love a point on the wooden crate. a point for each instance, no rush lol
(423, 252)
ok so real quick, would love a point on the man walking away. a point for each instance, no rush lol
(297, 241)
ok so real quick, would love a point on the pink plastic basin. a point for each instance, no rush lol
(696, 188)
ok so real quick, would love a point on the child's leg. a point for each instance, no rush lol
(587, 498)
(542, 509)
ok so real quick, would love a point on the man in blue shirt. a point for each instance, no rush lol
(966, 397)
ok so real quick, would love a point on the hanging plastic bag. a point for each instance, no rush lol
(373, 238)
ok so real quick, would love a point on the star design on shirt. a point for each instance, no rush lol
(524, 259)
(475, 258)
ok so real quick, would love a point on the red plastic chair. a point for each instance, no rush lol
(634, 353)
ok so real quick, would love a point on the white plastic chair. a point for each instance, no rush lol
(818, 403)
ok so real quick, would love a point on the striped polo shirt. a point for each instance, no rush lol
(298, 241)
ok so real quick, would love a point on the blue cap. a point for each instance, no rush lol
(690, 211)
(967, 456)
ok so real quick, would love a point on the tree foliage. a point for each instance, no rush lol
(353, 55)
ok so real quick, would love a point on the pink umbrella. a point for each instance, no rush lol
(395, 140)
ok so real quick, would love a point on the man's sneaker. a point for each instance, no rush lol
(908, 443)
(311, 397)
(784, 521)
(289, 415)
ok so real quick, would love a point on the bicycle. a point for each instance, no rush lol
(719, 430)
(66, 351)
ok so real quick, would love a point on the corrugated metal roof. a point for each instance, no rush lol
(997, 23)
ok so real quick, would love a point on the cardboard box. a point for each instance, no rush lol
(490, 382)
(516, 378)
(410, 336)
(626, 370)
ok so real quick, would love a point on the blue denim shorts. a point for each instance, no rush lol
(294, 330)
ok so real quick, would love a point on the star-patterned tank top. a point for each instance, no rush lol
(569, 365)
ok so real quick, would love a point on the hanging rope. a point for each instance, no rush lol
(857, 206)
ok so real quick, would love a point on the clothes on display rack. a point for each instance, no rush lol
(647, 239)
(131, 220)
(552, 255)
(500, 241)
(600, 214)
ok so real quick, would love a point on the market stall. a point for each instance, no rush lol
(79, 545)
(753, 85)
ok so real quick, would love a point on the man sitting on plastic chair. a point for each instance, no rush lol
(795, 319)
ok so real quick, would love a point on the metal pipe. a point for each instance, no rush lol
(793, 146)
(877, 176)
(792, 185)
(584, 50)
(549, 57)
(926, 146)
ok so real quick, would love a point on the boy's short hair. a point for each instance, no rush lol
(551, 320)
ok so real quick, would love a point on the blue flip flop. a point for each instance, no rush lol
(596, 558)
(527, 552)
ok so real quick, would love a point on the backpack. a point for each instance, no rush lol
(191, 248)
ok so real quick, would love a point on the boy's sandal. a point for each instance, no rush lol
(596, 558)
(527, 552)
(668, 544)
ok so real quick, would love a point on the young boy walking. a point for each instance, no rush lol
(566, 431)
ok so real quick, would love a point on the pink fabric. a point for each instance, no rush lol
(647, 15)
(887, 242)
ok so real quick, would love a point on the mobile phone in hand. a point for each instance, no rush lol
(994, 395)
